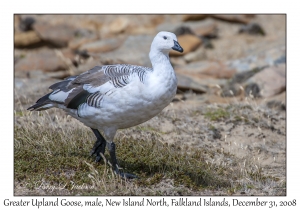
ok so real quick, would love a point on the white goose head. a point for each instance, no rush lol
(165, 41)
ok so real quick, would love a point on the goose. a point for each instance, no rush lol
(112, 97)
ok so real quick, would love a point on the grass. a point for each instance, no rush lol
(216, 115)
(45, 154)
(51, 156)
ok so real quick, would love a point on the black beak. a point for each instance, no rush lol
(177, 47)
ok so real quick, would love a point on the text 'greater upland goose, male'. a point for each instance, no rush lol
(112, 97)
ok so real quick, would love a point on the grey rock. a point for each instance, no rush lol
(275, 104)
(199, 28)
(197, 55)
(210, 68)
(198, 83)
(243, 76)
(253, 29)
(90, 63)
(181, 30)
(230, 90)
(26, 23)
(252, 90)
(233, 18)
(135, 50)
(271, 80)
(260, 58)
(57, 35)
(185, 83)
(104, 45)
(44, 59)
(82, 36)
(281, 59)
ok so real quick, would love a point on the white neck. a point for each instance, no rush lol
(159, 59)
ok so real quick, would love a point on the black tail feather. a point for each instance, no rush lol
(41, 102)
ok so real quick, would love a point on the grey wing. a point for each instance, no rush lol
(71, 91)
(120, 74)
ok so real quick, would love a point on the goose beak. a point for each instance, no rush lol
(177, 47)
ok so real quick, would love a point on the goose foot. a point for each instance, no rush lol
(99, 146)
(112, 152)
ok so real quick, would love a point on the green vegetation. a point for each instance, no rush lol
(216, 115)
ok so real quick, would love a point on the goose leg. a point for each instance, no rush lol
(99, 146)
(112, 152)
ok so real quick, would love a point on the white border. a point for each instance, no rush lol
(162, 6)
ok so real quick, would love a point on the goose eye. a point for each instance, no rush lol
(164, 37)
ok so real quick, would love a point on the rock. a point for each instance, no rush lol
(244, 64)
(129, 24)
(177, 61)
(68, 54)
(234, 18)
(141, 30)
(181, 30)
(26, 39)
(82, 36)
(231, 90)
(17, 20)
(57, 35)
(185, 83)
(210, 68)
(199, 28)
(26, 23)
(91, 63)
(168, 27)
(135, 50)
(32, 87)
(18, 54)
(270, 81)
(45, 60)
(274, 104)
(82, 53)
(199, 83)
(253, 29)
(214, 132)
(194, 17)
(58, 74)
(38, 75)
(252, 90)
(260, 57)
(203, 28)
(243, 76)
(34, 74)
(197, 55)
(281, 59)
(104, 45)
(188, 42)
(119, 25)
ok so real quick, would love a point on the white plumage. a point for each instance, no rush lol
(111, 97)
